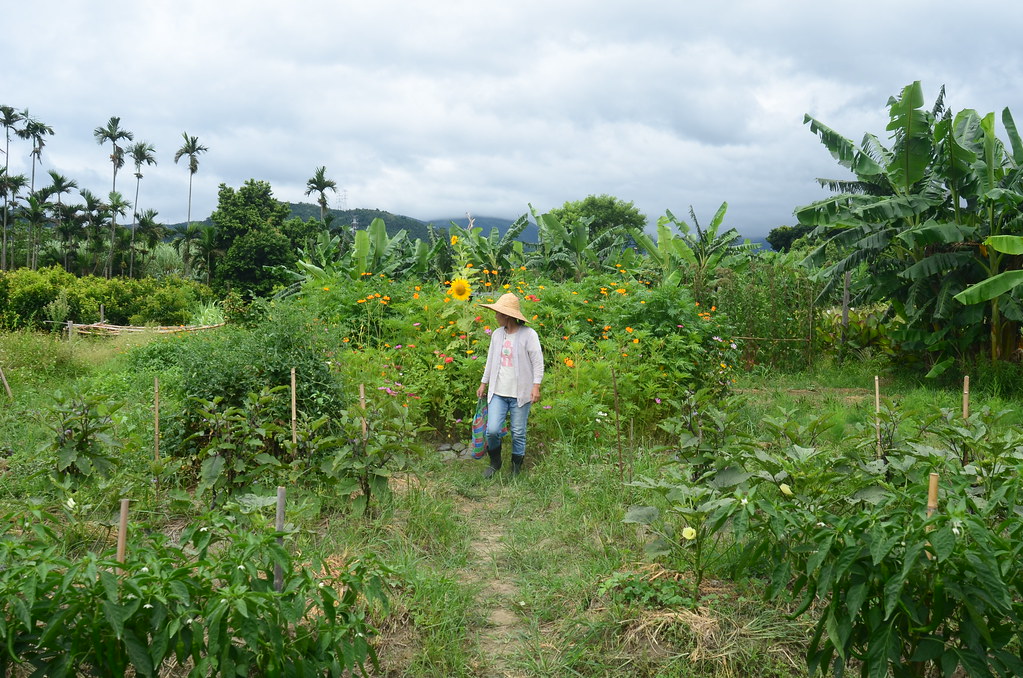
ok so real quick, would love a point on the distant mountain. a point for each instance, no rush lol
(361, 218)
(529, 234)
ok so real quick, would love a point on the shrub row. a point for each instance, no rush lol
(52, 296)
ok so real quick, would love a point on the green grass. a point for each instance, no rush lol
(537, 547)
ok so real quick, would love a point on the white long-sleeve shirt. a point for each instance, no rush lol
(528, 363)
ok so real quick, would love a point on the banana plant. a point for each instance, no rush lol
(495, 251)
(695, 255)
(570, 251)
(376, 252)
(914, 219)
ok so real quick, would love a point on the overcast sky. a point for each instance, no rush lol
(434, 109)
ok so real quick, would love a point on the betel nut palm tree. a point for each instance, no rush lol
(9, 117)
(191, 148)
(59, 186)
(114, 134)
(142, 153)
(35, 131)
(319, 183)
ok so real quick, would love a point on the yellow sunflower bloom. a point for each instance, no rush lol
(460, 289)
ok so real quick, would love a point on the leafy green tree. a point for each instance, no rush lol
(606, 212)
(191, 149)
(781, 238)
(114, 134)
(142, 153)
(915, 218)
(250, 233)
(319, 183)
(254, 264)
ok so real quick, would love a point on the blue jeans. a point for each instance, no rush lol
(499, 408)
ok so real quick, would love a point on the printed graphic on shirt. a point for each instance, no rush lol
(506, 353)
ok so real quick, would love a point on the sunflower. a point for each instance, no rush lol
(460, 289)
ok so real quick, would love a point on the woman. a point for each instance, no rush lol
(511, 380)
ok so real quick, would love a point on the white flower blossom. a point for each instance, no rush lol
(744, 501)
(147, 606)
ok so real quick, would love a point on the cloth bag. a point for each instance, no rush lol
(479, 430)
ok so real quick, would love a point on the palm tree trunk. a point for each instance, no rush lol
(186, 260)
(134, 225)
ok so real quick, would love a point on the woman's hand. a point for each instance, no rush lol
(481, 391)
(536, 393)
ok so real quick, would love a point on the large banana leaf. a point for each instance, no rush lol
(995, 286)
(938, 264)
(932, 232)
(843, 150)
(1014, 140)
(913, 138)
(1007, 244)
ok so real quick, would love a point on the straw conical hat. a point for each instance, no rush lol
(507, 304)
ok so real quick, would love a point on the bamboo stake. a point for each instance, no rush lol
(362, 402)
(156, 430)
(877, 413)
(618, 429)
(278, 570)
(156, 418)
(932, 503)
(7, 387)
(294, 415)
(966, 397)
(122, 532)
(932, 495)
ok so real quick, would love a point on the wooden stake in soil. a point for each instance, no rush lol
(966, 397)
(278, 570)
(932, 495)
(7, 387)
(122, 532)
(932, 503)
(156, 429)
(156, 418)
(618, 429)
(877, 413)
(294, 415)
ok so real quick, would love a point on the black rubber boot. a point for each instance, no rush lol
(495, 463)
(517, 464)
